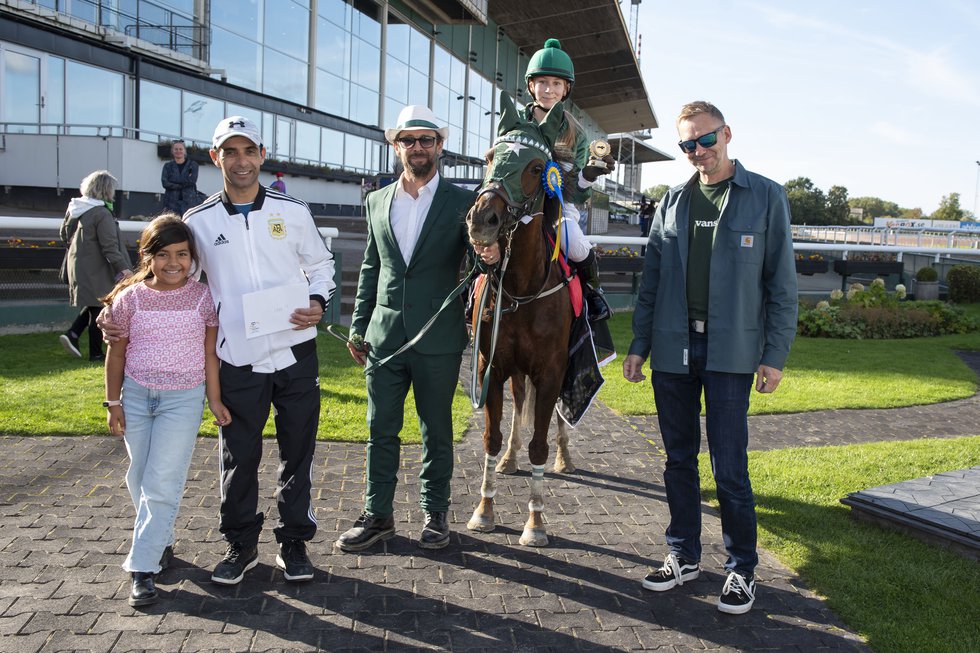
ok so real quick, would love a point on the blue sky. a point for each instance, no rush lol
(880, 97)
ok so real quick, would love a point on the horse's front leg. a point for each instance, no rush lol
(482, 519)
(523, 393)
(534, 531)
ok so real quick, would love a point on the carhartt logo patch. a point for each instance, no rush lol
(748, 240)
(220, 240)
(277, 228)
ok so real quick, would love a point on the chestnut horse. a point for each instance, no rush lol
(527, 336)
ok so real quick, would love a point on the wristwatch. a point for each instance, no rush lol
(117, 402)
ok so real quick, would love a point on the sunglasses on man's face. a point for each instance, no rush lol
(408, 142)
(704, 140)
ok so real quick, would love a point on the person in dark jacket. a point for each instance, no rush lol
(716, 306)
(179, 179)
(96, 258)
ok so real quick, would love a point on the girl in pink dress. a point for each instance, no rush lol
(156, 378)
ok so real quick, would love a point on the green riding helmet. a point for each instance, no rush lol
(551, 60)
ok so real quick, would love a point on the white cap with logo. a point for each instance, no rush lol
(235, 126)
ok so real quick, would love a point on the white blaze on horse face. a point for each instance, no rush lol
(489, 489)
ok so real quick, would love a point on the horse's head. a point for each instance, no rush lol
(515, 163)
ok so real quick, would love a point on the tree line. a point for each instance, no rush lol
(810, 205)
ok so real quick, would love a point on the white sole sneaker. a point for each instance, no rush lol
(69, 347)
(235, 581)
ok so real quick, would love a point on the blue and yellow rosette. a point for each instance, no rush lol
(552, 180)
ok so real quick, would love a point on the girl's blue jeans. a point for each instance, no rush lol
(161, 429)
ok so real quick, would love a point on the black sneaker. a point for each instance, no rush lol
(367, 530)
(143, 591)
(675, 571)
(96, 358)
(292, 559)
(738, 594)
(238, 559)
(70, 342)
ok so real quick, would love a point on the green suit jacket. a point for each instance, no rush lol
(395, 300)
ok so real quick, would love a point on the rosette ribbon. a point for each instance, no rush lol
(552, 181)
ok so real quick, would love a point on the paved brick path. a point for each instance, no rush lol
(66, 520)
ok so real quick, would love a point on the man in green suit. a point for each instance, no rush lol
(416, 242)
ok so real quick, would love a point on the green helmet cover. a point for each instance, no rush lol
(551, 60)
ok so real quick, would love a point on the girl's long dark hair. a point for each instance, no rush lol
(163, 231)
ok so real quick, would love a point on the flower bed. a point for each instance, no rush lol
(847, 267)
(809, 267)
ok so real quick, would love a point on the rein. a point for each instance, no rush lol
(516, 302)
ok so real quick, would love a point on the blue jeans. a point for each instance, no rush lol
(161, 429)
(726, 397)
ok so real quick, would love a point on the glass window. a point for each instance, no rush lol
(94, 96)
(200, 115)
(440, 102)
(332, 94)
(441, 67)
(185, 7)
(336, 11)
(399, 36)
(366, 22)
(354, 152)
(331, 147)
(365, 62)
(238, 57)
(55, 94)
(332, 48)
(287, 28)
(396, 80)
(159, 112)
(307, 141)
(241, 17)
(363, 105)
(268, 129)
(420, 52)
(418, 88)
(22, 91)
(284, 77)
(284, 134)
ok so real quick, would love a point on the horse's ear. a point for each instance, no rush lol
(509, 117)
(551, 126)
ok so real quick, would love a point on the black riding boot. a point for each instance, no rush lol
(588, 270)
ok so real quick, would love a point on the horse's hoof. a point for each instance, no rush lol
(534, 537)
(480, 524)
(507, 466)
(564, 467)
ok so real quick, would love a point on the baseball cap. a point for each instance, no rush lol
(235, 126)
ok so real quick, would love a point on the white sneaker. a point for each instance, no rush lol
(738, 594)
(675, 571)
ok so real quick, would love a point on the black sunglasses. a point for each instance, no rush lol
(408, 142)
(704, 140)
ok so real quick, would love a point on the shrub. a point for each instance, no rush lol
(875, 313)
(964, 283)
(927, 274)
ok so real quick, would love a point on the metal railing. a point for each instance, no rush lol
(902, 236)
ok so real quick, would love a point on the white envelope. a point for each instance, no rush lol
(267, 311)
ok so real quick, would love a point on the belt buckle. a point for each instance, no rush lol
(698, 326)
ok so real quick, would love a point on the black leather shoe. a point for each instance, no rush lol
(144, 592)
(367, 530)
(435, 533)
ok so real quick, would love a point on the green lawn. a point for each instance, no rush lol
(48, 392)
(826, 374)
(900, 593)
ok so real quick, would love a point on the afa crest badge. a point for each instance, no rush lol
(277, 228)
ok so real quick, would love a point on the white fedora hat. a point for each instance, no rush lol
(416, 117)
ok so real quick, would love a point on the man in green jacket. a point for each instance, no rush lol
(416, 242)
(717, 304)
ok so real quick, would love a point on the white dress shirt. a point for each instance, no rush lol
(408, 215)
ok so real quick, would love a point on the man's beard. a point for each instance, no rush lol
(420, 169)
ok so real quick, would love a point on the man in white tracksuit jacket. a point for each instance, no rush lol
(250, 238)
